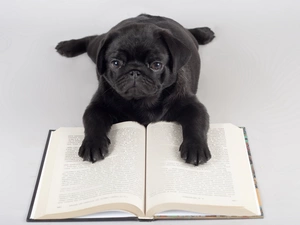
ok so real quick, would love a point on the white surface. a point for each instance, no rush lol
(250, 77)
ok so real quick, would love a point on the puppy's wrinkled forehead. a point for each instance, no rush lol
(137, 42)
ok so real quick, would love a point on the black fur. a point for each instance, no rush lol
(148, 70)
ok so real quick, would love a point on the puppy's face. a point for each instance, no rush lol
(137, 69)
(136, 62)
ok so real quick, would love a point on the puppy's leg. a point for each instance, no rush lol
(97, 123)
(74, 47)
(203, 35)
(194, 119)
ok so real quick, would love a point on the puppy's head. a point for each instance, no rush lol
(139, 61)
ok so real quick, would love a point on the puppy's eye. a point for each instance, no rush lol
(116, 63)
(156, 66)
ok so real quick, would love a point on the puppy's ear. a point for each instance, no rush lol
(179, 52)
(100, 59)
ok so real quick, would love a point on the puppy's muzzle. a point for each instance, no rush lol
(135, 85)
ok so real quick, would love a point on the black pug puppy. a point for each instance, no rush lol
(148, 70)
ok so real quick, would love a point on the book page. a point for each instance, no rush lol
(71, 187)
(172, 183)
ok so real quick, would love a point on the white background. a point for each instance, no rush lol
(250, 77)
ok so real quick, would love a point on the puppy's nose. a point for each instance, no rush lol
(135, 73)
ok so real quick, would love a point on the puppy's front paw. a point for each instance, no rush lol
(194, 151)
(94, 149)
(71, 48)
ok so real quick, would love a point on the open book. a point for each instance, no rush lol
(143, 177)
